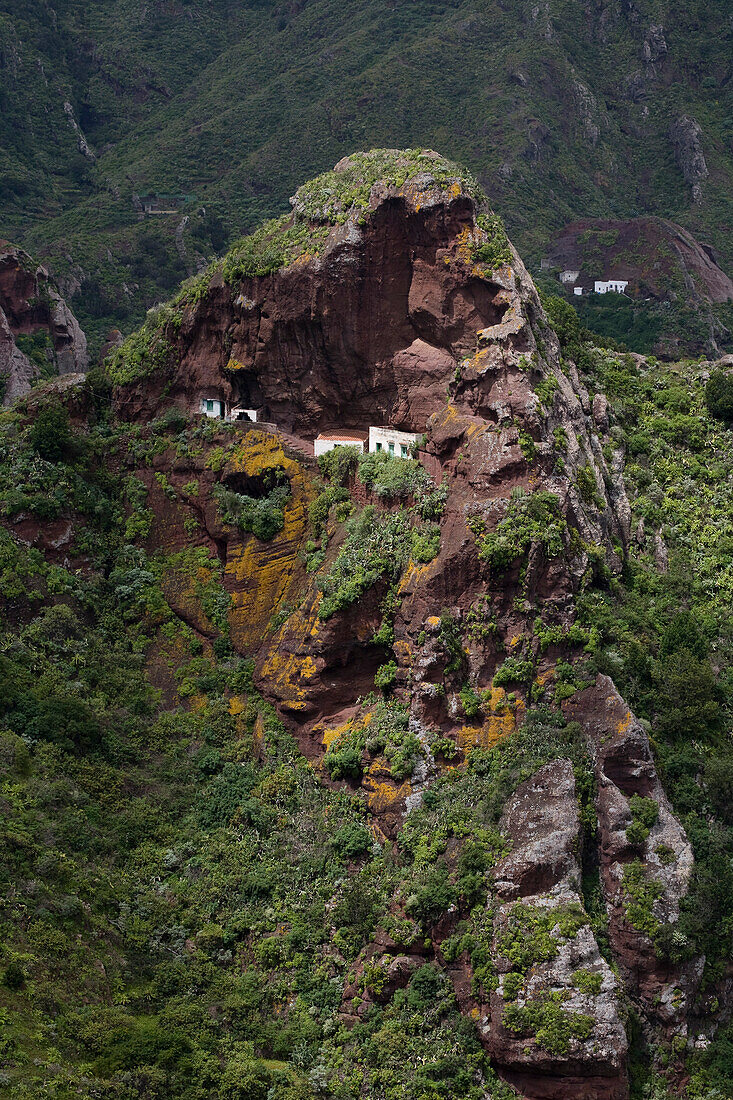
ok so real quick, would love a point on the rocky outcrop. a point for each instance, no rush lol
(685, 133)
(406, 306)
(658, 258)
(645, 857)
(553, 1026)
(32, 309)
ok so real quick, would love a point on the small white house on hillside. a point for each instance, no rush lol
(568, 276)
(612, 286)
(216, 409)
(393, 442)
(327, 441)
(213, 407)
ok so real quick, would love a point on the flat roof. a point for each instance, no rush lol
(359, 437)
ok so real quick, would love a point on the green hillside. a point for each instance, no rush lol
(226, 106)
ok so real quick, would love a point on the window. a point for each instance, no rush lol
(403, 450)
(391, 448)
(379, 446)
(209, 406)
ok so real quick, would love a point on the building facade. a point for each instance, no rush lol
(610, 286)
(213, 407)
(327, 441)
(391, 441)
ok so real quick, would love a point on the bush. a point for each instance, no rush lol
(433, 898)
(338, 465)
(393, 478)
(263, 517)
(351, 840)
(529, 519)
(50, 434)
(719, 395)
(386, 676)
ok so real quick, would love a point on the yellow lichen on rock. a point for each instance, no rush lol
(288, 674)
(262, 576)
(503, 717)
(383, 795)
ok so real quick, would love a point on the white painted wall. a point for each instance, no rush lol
(577, 290)
(392, 441)
(325, 443)
(612, 286)
(213, 407)
(568, 276)
(249, 414)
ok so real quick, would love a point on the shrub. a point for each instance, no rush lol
(50, 434)
(494, 250)
(338, 465)
(386, 676)
(426, 544)
(515, 670)
(531, 519)
(263, 517)
(393, 478)
(719, 395)
(376, 547)
(343, 763)
(351, 840)
(551, 1025)
(433, 898)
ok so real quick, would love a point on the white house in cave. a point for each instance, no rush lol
(389, 440)
(216, 409)
(328, 441)
(393, 442)
(568, 276)
(610, 286)
(213, 407)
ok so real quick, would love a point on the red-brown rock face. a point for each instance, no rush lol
(397, 321)
(29, 305)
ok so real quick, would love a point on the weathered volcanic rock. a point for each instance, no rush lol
(395, 319)
(29, 304)
(540, 879)
(625, 768)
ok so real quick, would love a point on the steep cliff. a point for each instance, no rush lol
(391, 295)
(39, 335)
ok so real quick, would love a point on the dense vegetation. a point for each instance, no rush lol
(185, 901)
(567, 119)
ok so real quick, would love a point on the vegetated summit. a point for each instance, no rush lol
(316, 777)
(215, 112)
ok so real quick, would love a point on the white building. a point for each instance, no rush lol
(393, 442)
(613, 286)
(213, 407)
(577, 290)
(327, 441)
(216, 409)
(238, 413)
(568, 276)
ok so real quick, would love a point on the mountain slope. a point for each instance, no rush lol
(315, 782)
(562, 111)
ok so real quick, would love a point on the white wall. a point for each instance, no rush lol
(249, 414)
(613, 286)
(577, 290)
(381, 438)
(568, 276)
(322, 446)
(213, 407)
